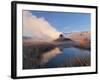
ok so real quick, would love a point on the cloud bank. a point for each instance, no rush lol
(38, 27)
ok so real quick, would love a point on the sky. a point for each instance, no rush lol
(49, 25)
(66, 21)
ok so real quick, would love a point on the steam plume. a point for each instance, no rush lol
(38, 27)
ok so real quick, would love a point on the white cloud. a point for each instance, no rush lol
(38, 27)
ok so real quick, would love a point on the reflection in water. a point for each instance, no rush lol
(49, 55)
(70, 57)
(53, 57)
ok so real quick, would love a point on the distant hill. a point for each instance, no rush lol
(83, 38)
(64, 39)
(25, 37)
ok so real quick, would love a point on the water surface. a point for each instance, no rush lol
(53, 57)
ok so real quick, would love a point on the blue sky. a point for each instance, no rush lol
(66, 21)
